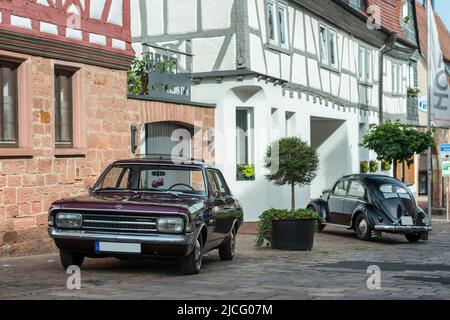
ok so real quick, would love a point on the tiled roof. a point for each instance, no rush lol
(390, 16)
(444, 35)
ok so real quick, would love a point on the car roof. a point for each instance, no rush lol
(162, 160)
(367, 176)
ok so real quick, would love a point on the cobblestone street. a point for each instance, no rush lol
(335, 269)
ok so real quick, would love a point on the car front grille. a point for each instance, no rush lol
(116, 223)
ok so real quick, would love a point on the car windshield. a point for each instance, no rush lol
(153, 178)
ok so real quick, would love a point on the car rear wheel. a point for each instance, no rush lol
(71, 259)
(362, 228)
(412, 237)
(228, 249)
(319, 225)
(192, 263)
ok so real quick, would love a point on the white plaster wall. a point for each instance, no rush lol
(136, 18)
(155, 14)
(206, 51)
(182, 16)
(215, 16)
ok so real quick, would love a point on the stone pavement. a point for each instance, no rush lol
(335, 269)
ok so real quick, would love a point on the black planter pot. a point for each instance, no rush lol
(293, 234)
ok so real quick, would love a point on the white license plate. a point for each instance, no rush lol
(407, 221)
(117, 247)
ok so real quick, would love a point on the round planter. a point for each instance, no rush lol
(293, 234)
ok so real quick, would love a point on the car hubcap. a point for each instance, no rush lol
(198, 254)
(362, 226)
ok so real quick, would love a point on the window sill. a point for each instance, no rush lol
(16, 153)
(365, 83)
(274, 47)
(70, 152)
(329, 68)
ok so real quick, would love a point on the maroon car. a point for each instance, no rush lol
(150, 207)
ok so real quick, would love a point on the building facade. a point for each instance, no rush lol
(64, 110)
(281, 68)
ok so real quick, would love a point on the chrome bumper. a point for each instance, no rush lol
(172, 239)
(404, 229)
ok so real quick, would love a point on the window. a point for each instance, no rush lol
(222, 186)
(328, 47)
(341, 188)
(63, 108)
(282, 17)
(365, 65)
(244, 136)
(212, 181)
(396, 78)
(356, 190)
(412, 73)
(277, 25)
(8, 105)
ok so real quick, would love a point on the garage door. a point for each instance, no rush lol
(159, 139)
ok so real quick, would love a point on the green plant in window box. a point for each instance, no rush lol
(407, 19)
(413, 91)
(364, 167)
(245, 172)
(385, 165)
(374, 166)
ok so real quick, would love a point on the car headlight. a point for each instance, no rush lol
(69, 220)
(425, 221)
(172, 225)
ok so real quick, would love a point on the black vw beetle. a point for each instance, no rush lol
(370, 205)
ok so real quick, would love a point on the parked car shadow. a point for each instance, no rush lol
(391, 239)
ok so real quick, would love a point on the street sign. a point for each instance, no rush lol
(446, 168)
(445, 151)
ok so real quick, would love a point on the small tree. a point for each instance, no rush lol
(394, 142)
(297, 164)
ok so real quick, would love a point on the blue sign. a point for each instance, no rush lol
(445, 148)
(423, 103)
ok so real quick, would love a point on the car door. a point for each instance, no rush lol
(355, 196)
(336, 202)
(218, 206)
(225, 218)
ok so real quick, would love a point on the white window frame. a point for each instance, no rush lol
(412, 83)
(273, 40)
(277, 26)
(397, 78)
(405, 10)
(326, 48)
(283, 28)
(365, 65)
(250, 134)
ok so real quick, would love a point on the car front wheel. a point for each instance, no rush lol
(362, 228)
(412, 237)
(192, 263)
(71, 259)
(228, 248)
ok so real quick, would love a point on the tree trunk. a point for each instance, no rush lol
(293, 196)
(395, 168)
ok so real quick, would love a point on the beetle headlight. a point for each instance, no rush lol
(425, 221)
(69, 220)
(172, 225)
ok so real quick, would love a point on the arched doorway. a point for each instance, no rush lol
(168, 138)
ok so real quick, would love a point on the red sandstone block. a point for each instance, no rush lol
(44, 166)
(14, 181)
(25, 195)
(25, 209)
(10, 196)
(12, 211)
(24, 223)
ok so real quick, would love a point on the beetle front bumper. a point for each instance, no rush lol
(404, 229)
(164, 245)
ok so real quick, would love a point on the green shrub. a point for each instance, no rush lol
(364, 167)
(385, 165)
(265, 222)
(374, 166)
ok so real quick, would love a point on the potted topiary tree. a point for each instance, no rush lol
(297, 164)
